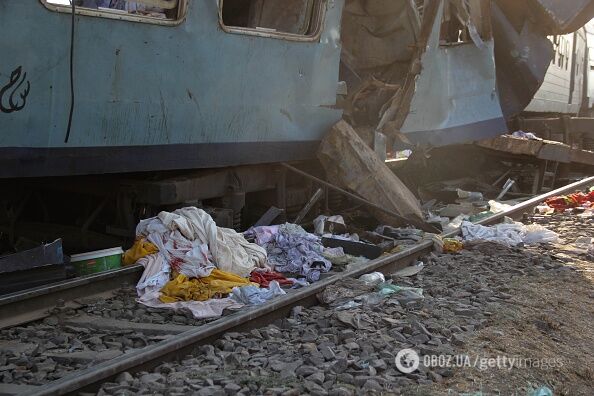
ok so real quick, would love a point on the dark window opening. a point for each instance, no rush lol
(298, 17)
(465, 22)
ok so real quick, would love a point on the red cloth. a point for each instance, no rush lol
(570, 201)
(264, 278)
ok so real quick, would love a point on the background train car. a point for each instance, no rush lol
(565, 87)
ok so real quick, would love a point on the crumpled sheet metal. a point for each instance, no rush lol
(455, 98)
(568, 15)
(350, 163)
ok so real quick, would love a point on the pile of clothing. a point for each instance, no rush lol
(292, 250)
(191, 263)
(580, 199)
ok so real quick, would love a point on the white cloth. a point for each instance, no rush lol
(253, 295)
(212, 308)
(185, 234)
(155, 275)
(509, 234)
(190, 242)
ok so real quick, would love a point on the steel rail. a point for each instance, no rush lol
(33, 304)
(182, 344)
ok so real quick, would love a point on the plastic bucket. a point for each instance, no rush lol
(97, 261)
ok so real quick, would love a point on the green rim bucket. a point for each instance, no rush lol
(97, 261)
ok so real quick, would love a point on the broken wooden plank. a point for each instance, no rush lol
(352, 164)
(539, 149)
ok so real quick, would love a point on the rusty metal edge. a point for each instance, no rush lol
(153, 356)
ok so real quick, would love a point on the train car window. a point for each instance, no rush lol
(287, 18)
(164, 12)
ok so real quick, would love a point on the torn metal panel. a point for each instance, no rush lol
(551, 16)
(522, 59)
(455, 98)
(379, 40)
(568, 15)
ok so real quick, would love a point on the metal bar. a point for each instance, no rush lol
(422, 226)
(310, 204)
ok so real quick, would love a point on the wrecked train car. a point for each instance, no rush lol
(202, 84)
(222, 86)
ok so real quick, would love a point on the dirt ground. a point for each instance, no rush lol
(547, 325)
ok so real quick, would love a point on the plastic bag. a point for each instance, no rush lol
(374, 278)
(388, 289)
(534, 234)
(470, 195)
(544, 209)
(498, 207)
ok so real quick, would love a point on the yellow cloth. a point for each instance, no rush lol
(201, 289)
(140, 249)
(451, 245)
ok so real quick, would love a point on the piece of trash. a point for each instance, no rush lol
(455, 224)
(329, 225)
(478, 217)
(388, 289)
(583, 245)
(470, 196)
(498, 207)
(410, 271)
(525, 135)
(544, 209)
(542, 391)
(348, 305)
(452, 245)
(374, 278)
(298, 282)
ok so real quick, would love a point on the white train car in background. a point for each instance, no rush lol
(567, 87)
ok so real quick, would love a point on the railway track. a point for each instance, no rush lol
(155, 343)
